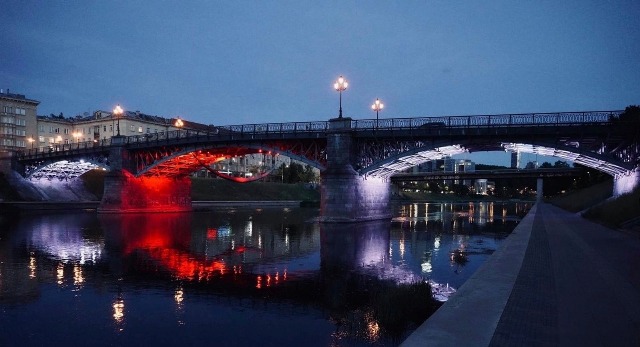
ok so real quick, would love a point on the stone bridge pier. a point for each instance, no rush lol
(346, 196)
(124, 193)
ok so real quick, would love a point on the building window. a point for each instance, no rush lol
(132, 128)
(41, 138)
(41, 128)
(140, 129)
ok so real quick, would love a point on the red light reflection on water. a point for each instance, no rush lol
(165, 241)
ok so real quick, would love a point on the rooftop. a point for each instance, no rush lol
(16, 97)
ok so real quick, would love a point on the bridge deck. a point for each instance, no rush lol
(558, 280)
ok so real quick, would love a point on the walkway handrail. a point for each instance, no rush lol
(499, 120)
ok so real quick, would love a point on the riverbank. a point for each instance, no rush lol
(545, 287)
(596, 204)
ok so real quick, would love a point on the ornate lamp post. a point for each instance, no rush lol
(31, 140)
(377, 106)
(118, 112)
(340, 85)
(178, 124)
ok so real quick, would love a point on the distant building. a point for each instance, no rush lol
(515, 160)
(17, 121)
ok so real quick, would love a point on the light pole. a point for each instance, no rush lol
(31, 140)
(118, 112)
(178, 124)
(340, 85)
(377, 106)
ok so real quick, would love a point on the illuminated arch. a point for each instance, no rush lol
(64, 169)
(396, 163)
(188, 160)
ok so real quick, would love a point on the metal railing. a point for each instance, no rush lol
(58, 148)
(501, 120)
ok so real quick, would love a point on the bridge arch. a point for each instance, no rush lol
(412, 156)
(184, 161)
(64, 169)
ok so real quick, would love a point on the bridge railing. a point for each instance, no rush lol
(277, 128)
(53, 149)
(500, 120)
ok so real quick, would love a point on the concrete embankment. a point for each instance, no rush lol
(558, 280)
(470, 317)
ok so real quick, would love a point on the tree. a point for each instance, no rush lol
(561, 164)
(630, 114)
(546, 165)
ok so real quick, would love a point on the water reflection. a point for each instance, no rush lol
(156, 279)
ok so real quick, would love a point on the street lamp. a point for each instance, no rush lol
(31, 140)
(117, 112)
(77, 136)
(340, 85)
(178, 124)
(377, 106)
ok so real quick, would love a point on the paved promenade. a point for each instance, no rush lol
(558, 280)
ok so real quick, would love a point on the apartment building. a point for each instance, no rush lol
(17, 121)
(101, 125)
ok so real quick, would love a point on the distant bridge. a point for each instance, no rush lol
(487, 174)
(345, 149)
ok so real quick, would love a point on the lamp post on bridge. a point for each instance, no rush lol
(377, 106)
(340, 85)
(178, 124)
(118, 112)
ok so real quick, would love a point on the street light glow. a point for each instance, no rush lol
(377, 106)
(117, 112)
(340, 85)
(179, 123)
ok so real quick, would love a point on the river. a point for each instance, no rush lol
(236, 276)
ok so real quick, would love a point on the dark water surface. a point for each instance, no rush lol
(235, 277)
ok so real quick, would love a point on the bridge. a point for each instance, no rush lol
(356, 157)
(479, 174)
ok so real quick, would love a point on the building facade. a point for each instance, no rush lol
(18, 121)
(102, 125)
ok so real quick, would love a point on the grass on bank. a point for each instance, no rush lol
(597, 205)
(215, 189)
(615, 212)
(207, 189)
(579, 200)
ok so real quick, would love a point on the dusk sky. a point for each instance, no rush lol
(240, 62)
